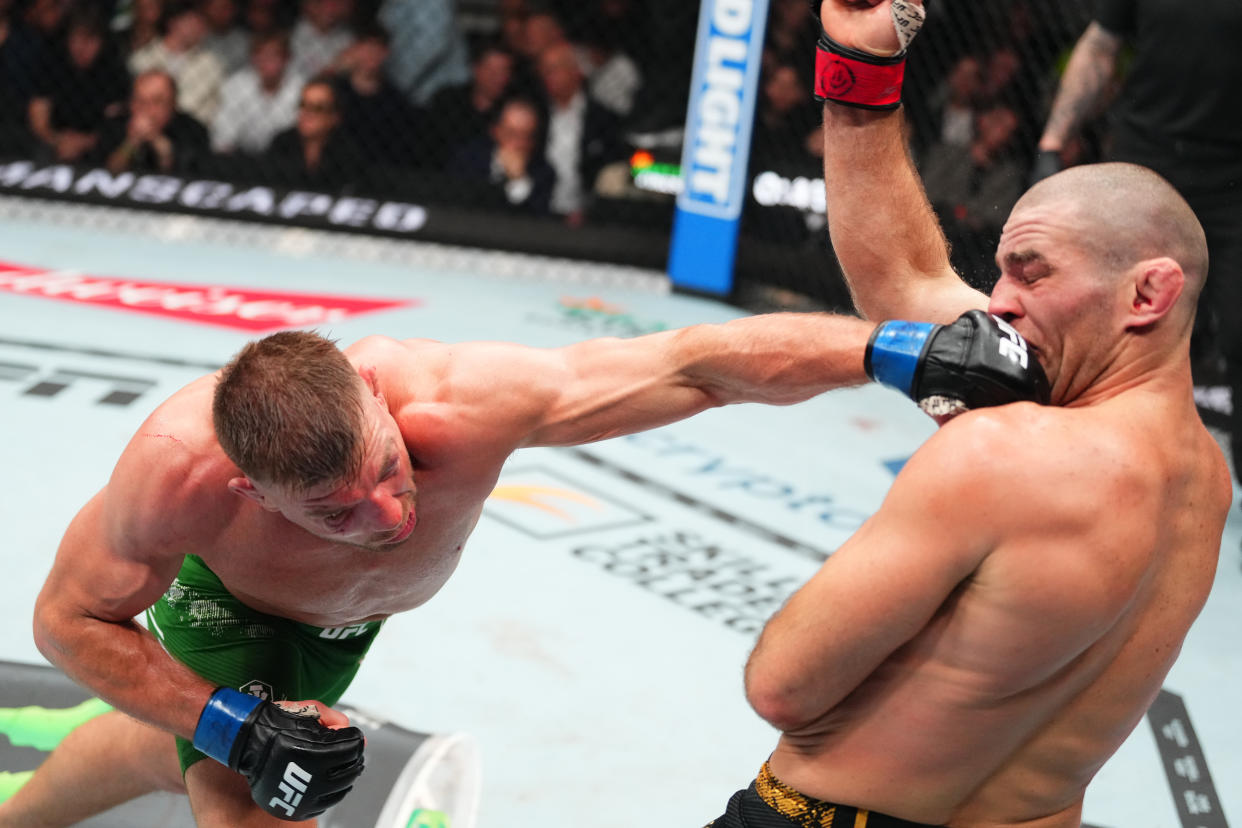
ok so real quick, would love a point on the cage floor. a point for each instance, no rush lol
(599, 692)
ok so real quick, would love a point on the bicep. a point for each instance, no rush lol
(98, 575)
(606, 387)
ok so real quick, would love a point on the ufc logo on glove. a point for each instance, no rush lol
(294, 785)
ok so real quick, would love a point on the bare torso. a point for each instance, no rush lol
(979, 720)
(275, 566)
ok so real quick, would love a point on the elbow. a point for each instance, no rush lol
(775, 702)
(49, 630)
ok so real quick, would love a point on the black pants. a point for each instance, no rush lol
(1212, 185)
(769, 803)
(1220, 306)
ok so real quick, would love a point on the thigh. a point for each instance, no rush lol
(220, 798)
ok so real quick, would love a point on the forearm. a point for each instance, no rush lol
(40, 117)
(118, 160)
(797, 672)
(125, 666)
(778, 359)
(883, 229)
(1082, 87)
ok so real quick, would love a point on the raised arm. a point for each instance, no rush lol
(886, 237)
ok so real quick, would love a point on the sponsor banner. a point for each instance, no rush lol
(699, 558)
(1198, 805)
(698, 573)
(717, 145)
(245, 309)
(219, 199)
(593, 316)
(544, 504)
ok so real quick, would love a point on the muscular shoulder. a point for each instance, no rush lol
(170, 481)
(1024, 465)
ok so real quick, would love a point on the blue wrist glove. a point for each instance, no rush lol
(977, 361)
(296, 767)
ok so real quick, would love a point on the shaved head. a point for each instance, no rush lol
(1127, 213)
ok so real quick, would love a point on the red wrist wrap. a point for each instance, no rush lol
(855, 82)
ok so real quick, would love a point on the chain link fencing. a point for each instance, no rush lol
(547, 127)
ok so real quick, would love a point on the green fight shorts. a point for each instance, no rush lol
(229, 644)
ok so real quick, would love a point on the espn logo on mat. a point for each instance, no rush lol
(292, 787)
(240, 308)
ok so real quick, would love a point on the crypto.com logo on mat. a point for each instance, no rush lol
(244, 309)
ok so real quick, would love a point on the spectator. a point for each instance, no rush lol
(614, 77)
(461, 114)
(320, 35)
(626, 26)
(21, 53)
(1174, 115)
(790, 28)
(973, 189)
(376, 117)
(264, 17)
(140, 26)
(428, 52)
(582, 133)
(82, 82)
(513, 15)
(225, 37)
(787, 123)
(315, 153)
(153, 136)
(259, 101)
(46, 19)
(954, 103)
(180, 52)
(507, 162)
(541, 30)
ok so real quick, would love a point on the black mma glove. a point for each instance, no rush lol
(296, 767)
(849, 76)
(977, 361)
(1047, 163)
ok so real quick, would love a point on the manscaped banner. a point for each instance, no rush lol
(246, 309)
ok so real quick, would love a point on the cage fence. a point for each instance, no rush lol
(550, 127)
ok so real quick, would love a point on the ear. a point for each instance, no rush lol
(1157, 285)
(242, 486)
(367, 372)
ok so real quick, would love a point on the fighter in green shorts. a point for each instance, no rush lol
(205, 627)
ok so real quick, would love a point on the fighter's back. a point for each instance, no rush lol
(1101, 527)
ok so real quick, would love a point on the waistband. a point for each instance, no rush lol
(806, 812)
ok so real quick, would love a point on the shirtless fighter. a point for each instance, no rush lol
(269, 517)
(979, 648)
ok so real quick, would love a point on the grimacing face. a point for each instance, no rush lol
(1050, 290)
(377, 509)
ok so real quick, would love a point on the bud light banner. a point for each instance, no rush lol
(716, 148)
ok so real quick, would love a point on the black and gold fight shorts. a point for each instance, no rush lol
(770, 803)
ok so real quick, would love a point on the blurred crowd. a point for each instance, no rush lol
(540, 107)
(527, 103)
